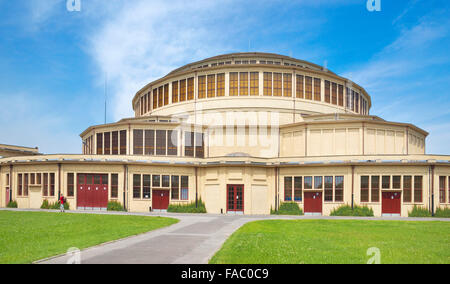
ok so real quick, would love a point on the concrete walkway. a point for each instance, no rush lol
(194, 240)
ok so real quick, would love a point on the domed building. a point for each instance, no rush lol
(244, 133)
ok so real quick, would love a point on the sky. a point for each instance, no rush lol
(54, 62)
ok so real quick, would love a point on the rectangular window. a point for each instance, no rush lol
(137, 186)
(329, 189)
(341, 95)
(254, 84)
(375, 189)
(234, 87)
(156, 181)
(442, 189)
(175, 92)
(175, 189)
(38, 179)
(115, 142)
(149, 102)
(201, 87)
(308, 182)
(160, 96)
(32, 179)
(298, 189)
(327, 91)
(155, 98)
(211, 86)
(172, 143)
(123, 142)
(149, 149)
(267, 84)
(220, 85)
(386, 182)
(114, 185)
(25, 185)
(407, 189)
(356, 102)
(189, 144)
(418, 183)
(199, 145)
(287, 188)
(190, 94)
(184, 188)
(182, 90)
(277, 87)
(70, 184)
(243, 84)
(339, 189)
(334, 96)
(287, 85)
(396, 182)
(161, 140)
(317, 89)
(166, 94)
(52, 184)
(146, 188)
(99, 143)
(318, 182)
(138, 140)
(107, 143)
(45, 185)
(165, 181)
(308, 88)
(299, 84)
(364, 189)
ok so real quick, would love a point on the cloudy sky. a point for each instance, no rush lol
(53, 62)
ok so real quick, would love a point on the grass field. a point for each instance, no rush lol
(29, 236)
(336, 241)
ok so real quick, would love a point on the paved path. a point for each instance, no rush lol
(194, 240)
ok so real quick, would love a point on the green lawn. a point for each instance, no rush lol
(29, 236)
(336, 241)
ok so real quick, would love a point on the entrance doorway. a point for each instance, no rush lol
(160, 199)
(92, 192)
(313, 203)
(235, 199)
(391, 204)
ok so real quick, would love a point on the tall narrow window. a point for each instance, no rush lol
(52, 184)
(334, 99)
(407, 189)
(149, 102)
(234, 87)
(327, 91)
(161, 140)
(308, 182)
(146, 188)
(396, 182)
(199, 145)
(99, 143)
(341, 95)
(189, 144)
(182, 90)
(299, 87)
(156, 181)
(165, 180)
(308, 88)
(287, 85)
(160, 96)
(298, 189)
(254, 84)
(201, 87)
(175, 188)
(155, 98)
(220, 85)
(386, 182)
(442, 189)
(107, 143)
(356, 102)
(329, 189)
(70, 184)
(138, 137)
(418, 183)
(25, 185)
(287, 188)
(375, 189)
(339, 189)
(243, 84)
(318, 182)
(190, 93)
(114, 185)
(115, 143)
(172, 143)
(184, 188)
(137, 186)
(277, 87)
(175, 92)
(211, 86)
(317, 90)
(364, 189)
(149, 149)
(267, 84)
(123, 142)
(45, 185)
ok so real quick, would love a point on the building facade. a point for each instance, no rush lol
(244, 133)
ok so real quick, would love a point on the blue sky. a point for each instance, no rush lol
(53, 62)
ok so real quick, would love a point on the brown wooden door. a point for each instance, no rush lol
(313, 202)
(160, 199)
(235, 198)
(391, 203)
(7, 197)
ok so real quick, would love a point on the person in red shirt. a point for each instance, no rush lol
(61, 201)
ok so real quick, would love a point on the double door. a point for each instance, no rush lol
(235, 198)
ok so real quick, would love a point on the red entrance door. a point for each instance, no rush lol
(313, 202)
(7, 197)
(235, 198)
(92, 191)
(160, 199)
(391, 203)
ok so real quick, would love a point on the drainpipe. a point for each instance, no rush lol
(59, 181)
(276, 187)
(196, 187)
(10, 182)
(125, 186)
(432, 190)
(353, 187)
